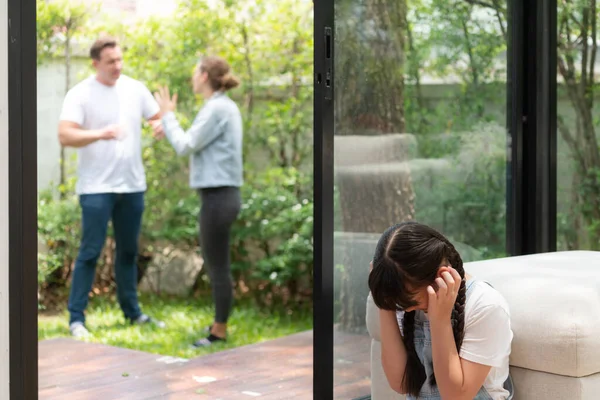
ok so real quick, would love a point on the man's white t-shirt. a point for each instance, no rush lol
(110, 166)
(488, 335)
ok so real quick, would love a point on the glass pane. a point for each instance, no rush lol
(420, 133)
(578, 154)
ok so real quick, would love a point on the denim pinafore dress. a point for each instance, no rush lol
(423, 348)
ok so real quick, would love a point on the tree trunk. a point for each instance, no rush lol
(249, 93)
(415, 73)
(370, 68)
(369, 102)
(63, 174)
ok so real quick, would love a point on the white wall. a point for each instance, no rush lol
(4, 329)
(148, 8)
(50, 96)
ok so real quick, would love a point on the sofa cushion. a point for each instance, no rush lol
(554, 301)
(536, 385)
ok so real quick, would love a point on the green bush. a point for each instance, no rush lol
(273, 237)
(272, 243)
(58, 232)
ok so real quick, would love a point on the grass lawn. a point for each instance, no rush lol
(185, 318)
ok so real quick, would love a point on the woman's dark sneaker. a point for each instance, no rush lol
(208, 341)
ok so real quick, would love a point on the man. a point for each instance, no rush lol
(102, 118)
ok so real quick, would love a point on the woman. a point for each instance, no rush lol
(444, 334)
(214, 144)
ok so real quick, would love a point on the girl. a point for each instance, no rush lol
(214, 144)
(444, 334)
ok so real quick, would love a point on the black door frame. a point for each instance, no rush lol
(22, 194)
(323, 341)
(531, 121)
(531, 171)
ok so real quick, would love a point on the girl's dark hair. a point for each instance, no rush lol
(407, 258)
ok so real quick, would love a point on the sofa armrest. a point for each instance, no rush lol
(380, 389)
(372, 319)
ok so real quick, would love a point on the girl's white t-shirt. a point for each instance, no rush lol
(488, 335)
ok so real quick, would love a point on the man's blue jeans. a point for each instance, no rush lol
(126, 211)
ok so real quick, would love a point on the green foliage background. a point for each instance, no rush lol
(432, 68)
(272, 239)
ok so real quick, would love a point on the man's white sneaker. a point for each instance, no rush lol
(78, 330)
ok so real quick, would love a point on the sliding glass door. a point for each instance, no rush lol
(420, 134)
(428, 110)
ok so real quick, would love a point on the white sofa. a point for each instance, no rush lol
(554, 300)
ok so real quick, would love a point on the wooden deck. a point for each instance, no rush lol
(278, 369)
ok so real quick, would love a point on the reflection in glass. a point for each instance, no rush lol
(578, 154)
(420, 93)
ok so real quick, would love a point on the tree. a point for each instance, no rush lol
(577, 51)
(576, 60)
(47, 26)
